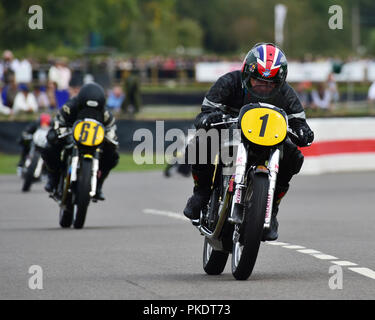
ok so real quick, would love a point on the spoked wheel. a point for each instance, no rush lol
(213, 261)
(247, 237)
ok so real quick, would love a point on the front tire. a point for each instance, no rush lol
(245, 249)
(82, 194)
(213, 261)
(29, 175)
(66, 215)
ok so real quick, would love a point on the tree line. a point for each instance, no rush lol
(150, 27)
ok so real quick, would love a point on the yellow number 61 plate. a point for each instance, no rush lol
(89, 132)
(264, 126)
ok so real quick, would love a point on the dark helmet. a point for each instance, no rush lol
(91, 95)
(266, 63)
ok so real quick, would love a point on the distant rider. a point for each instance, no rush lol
(90, 100)
(44, 121)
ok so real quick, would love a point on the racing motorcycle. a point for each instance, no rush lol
(34, 168)
(78, 180)
(241, 201)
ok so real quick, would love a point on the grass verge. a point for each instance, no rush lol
(8, 164)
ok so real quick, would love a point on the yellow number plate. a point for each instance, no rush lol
(264, 126)
(89, 133)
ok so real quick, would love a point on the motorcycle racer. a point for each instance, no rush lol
(90, 100)
(26, 137)
(262, 79)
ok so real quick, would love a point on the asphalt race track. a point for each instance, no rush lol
(137, 244)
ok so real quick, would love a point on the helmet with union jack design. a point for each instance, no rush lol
(264, 70)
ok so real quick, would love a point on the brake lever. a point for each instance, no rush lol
(67, 133)
(230, 120)
(290, 131)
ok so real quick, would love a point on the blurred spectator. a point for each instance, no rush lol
(10, 91)
(60, 74)
(41, 97)
(25, 100)
(75, 83)
(23, 71)
(7, 66)
(51, 94)
(74, 90)
(303, 93)
(371, 95)
(115, 99)
(132, 93)
(321, 97)
(332, 88)
(4, 109)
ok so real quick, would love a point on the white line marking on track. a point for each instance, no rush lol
(365, 272)
(294, 247)
(344, 263)
(324, 256)
(276, 243)
(166, 213)
(309, 251)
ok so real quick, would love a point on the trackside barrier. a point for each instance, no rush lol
(341, 144)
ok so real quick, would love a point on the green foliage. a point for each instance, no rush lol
(160, 26)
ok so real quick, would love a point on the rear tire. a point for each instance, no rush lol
(245, 251)
(82, 194)
(29, 175)
(213, 261)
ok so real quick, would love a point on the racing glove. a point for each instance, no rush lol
(111, 136)
(305, 136)
(58, 131)
(204, 120)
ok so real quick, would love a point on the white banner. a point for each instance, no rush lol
(211, 71)
(356, 71)
(308, 71)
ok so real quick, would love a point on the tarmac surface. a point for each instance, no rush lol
(138, 245)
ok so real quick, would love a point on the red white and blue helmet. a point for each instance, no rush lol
(266, 62)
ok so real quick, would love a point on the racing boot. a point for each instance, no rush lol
(271, 234)
(53, 180)
(201, 194)
(99, 196)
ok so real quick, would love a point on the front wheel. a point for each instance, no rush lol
(66, 214)
(213, 261)
(29, 174)
(82, 193)
(249, 234)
